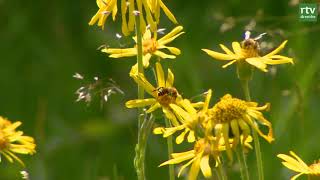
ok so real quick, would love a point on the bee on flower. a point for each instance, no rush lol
(13, 142)
(163, 95)
(296, 164)
(248, 51)
(150, 46)
(191, 120)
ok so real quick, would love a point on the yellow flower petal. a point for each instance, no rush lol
(180, 138)
(207, 101)
(167, 12)
(170, 79)
(257, 62)
(140, 102)
(205, 167)
(226, 50)
(153, 107)
(218, 56)
(195, 168)
(237, 48)
(178, 159)
(278, 49)
(160, 75)
(167, 112)
(164, 55)
(191, 137)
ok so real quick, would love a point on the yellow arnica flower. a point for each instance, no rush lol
(106, 7)
(189, 117)
(151, 46)
(150, 7)
(12, 141)
(237, 116)
(163, 95)
(248, 51)
(199, 157)
(296, 164)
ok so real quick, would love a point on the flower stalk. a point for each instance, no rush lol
(245, 73)
(170, 151)
(243, 164)
(139, 159)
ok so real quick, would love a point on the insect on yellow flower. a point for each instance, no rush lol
(163, 95)
(248, 51)
(296, 164)
(189, 117)
(238, 116)
(12, 141)
(150, 46)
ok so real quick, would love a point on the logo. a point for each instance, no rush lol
(308, 12)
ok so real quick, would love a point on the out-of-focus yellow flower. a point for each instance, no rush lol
(248, 51)
(151, 8)
(163, 95)
(150, 46)
(12, 141)
(237, 116)
(296, 164)
(106, 7)
(199, 157)
(190, 118)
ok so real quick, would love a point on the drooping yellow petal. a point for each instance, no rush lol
(257, 62)
(219, 56)
(124, 25)
(181, 114)
(229, 63)
(164, 55)
(173, 50)
(191, 137)
(178, 159)
(140, 102)
(153, 107)
(195, 168)
(205, 167)
(167, 112)
(180, 138)
(141, 80)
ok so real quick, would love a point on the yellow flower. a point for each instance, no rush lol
(199, 157)
(190, 118)
(238, 116)
(12, 141)
(163, 95)
(151, 46)
(106, 7)
(296, 164)
(248, 52)
(150, 7)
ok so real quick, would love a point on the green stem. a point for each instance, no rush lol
(242, 162)
(170, 151)
(245, 86)
(139, 159)
(221, 173)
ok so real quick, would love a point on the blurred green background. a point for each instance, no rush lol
(43, 43)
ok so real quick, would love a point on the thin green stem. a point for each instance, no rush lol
(245, 87)
(170, 151)
(242, 162)
(221, 173)
(140, 148)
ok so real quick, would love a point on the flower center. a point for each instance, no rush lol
(202, 145)
(228, 108)
(149, 46)
(166, 95)
(250, 48)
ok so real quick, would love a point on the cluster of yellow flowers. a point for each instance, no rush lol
(13, 141)
(213, 129)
